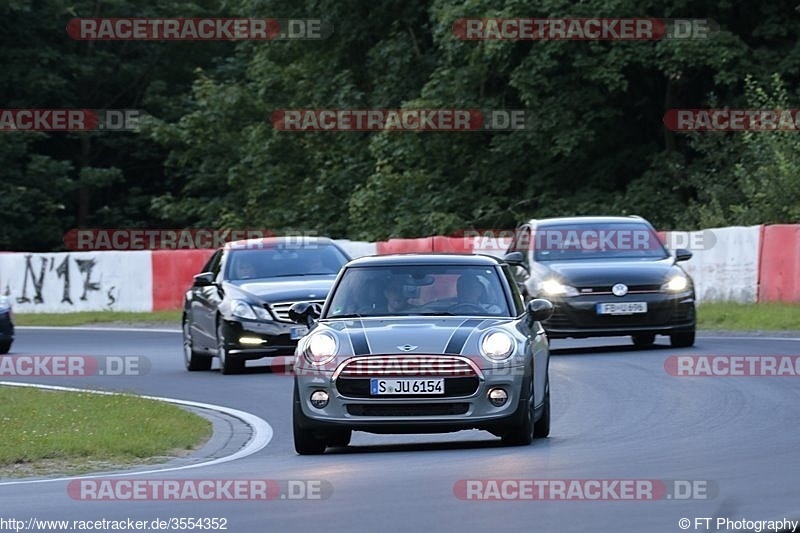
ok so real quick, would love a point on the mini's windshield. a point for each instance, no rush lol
(570, 242)
(284, 261)
(419, 290)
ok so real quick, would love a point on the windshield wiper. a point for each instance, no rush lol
(350, 315)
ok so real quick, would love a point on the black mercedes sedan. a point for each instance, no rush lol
(606, 276)
(238, 306)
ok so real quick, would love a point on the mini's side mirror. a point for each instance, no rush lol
(304, 313)
(539, 309)
(682, 254)
(204, 279)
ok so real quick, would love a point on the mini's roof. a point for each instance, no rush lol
(425, 259)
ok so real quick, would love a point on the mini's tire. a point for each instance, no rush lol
(305, 441)
(5, 346)
(521, 432)
(541, 428)
(340, 438)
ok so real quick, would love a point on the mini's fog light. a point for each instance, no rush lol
(498, 397)
(319, 399)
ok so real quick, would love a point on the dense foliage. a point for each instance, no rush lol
(210, 157)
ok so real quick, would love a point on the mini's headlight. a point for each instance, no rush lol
(321, 348)
(675, 284)
(497, 345)
(242, 309)
(5, 303)
(552, 287)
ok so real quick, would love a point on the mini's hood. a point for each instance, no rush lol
(411, 335)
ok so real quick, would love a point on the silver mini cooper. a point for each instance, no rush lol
(421, 344)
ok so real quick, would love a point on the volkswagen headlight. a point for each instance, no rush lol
(321, 348)
(497, 345)
(675, 284)
(242, 309)
(553, 287)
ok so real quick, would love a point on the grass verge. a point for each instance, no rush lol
(172, 318)
(47, 432)
(749, 317)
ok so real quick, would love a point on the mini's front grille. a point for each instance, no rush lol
(281, 309)
(406, 365)
(396, 409)
(453, 387)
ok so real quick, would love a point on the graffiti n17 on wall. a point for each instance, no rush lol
(77, 281)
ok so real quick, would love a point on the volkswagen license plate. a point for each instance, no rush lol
(621, 308)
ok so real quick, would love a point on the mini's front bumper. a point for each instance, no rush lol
(418, 414)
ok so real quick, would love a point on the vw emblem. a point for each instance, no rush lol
(620, 289)
(407, 348)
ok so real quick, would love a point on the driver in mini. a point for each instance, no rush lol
(470, 291)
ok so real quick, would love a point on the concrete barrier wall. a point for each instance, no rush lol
(741, 264)
(727, 270)
(77, 281)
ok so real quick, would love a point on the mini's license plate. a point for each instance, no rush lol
(297, 332)
(621, 308)
(380, 387)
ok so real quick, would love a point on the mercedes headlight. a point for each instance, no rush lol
(552, 287)
(321, 348)
(497, 345)
(676, 284)
(242, 309)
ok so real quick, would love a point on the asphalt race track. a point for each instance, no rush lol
(617, 414)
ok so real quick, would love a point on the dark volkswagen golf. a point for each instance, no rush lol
(606, 276)
(237, 308)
